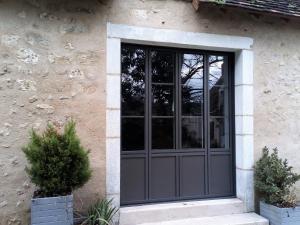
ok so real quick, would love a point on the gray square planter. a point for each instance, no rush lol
(280, 216)
(52, 211)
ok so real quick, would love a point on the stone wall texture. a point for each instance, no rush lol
(52, 67)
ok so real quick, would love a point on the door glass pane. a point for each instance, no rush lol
(217, 133)
(133, 134)
(162, 66)
(192, 84)
(133, 81)
(163, 100)
(217, 101)
(163, 133)
(216, 70)
(192, 133)
(192, 101)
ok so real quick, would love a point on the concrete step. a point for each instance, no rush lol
(233, 219)
(179, 210)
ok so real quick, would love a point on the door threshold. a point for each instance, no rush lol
(178, 201)
(206, 201)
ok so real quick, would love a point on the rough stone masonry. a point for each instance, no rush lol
(52, 67)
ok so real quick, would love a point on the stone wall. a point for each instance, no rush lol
(52, 67)
(52, 59)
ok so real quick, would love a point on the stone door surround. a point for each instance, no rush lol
(241, 46)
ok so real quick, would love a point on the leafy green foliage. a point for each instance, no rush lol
(58, 162)
(101, 213)
(219, 1)
(274, 179)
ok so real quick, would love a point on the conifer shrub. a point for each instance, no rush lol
(58, 164)
(274, 179)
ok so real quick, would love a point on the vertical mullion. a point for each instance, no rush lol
(145, 128)
(231, 117)
(177, 126)
(149, 118)
(176, 102)
(226, 103)
(179, 89)
(206, 121)
(121, 138)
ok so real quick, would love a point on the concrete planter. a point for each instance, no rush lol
(280, 216)
(52, 211)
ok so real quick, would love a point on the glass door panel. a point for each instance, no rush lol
(192, 100)
(163, 99)
(133, 98)
(163, 133)
(218, 102)
(192, 135)
(162, 66)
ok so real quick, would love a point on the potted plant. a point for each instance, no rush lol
(58, 165)
(100, 213)
(274, 181)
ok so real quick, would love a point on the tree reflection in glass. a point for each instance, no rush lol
(216, 73)
(163, 118)
(133, 81)
(133, 98)
(162, 66)
(192, 100)
(218, 101)
(192, 84)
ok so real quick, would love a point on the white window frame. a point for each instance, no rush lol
(241, 46)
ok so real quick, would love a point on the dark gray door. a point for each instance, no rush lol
(177, 125)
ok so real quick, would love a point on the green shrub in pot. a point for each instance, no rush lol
(274, 180)
(58, 164)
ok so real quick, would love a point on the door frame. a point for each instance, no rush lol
(243, 88)
(179, 152)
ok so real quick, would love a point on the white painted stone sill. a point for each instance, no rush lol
(183, 204)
